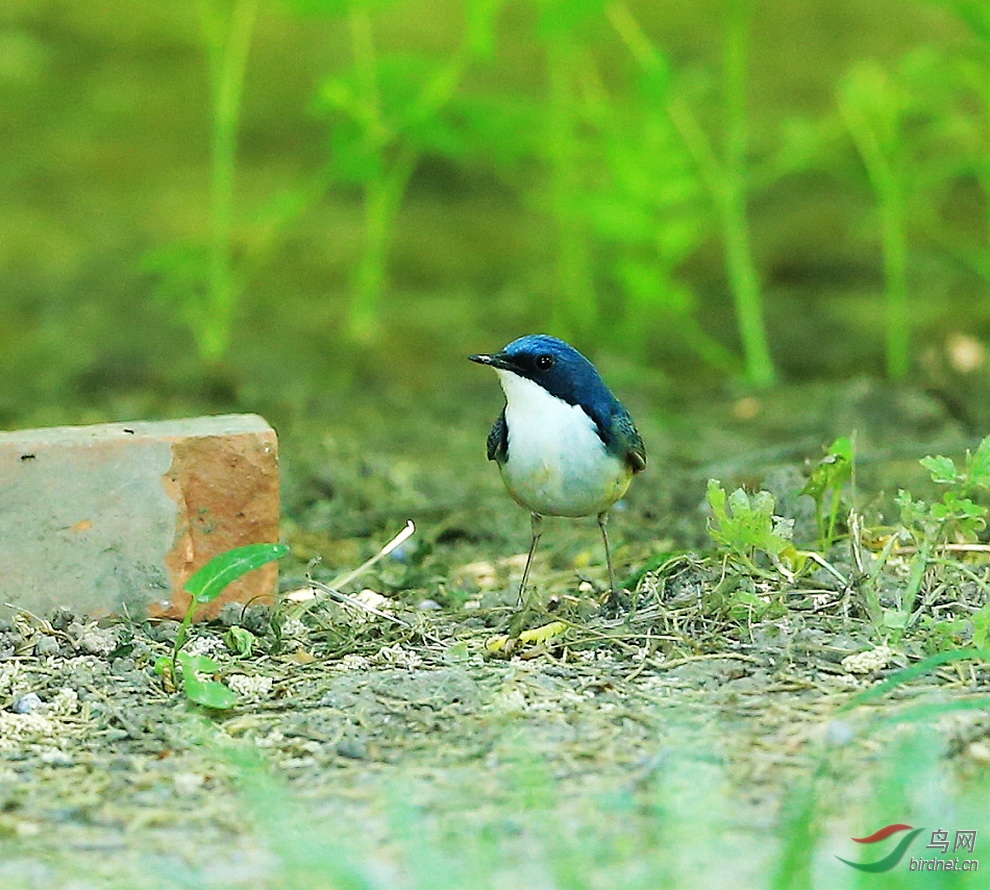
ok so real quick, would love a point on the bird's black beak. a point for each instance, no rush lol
(496, 360)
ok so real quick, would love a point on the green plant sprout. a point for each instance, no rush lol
(825, 486)
(931, 535)
(929, 525)
(203, 587)
(955, 519)
(745, 524)
(934, 530)
(873, 106)
(385, 113)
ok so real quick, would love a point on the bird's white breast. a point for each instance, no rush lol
(557, 464)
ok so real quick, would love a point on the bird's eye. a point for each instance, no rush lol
(544, 362)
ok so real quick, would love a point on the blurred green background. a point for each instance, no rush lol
(313, 208)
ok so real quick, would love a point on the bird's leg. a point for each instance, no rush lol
(603, 525)
(536, 523)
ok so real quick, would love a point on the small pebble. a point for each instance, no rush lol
(98, 641)
(869, 661)
(188, 783)
(61, 619)
(839, 732)
(256, 619)
(46, 645)
(352, 749)
(428, 606)
(26, 703)
(166, 632)
(231, 614)
(255, 687)
(56, 757)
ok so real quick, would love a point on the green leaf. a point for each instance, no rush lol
(978, 467)
(981, 627)
(208, 583)
(744, 522)
(832, 471)
(842, 448)
(240, 641)
(954, 507)
(912, 512)
(745, 605)
(942, 469)
(208, 693)
(716, 500)
(163, 665)
(894, 619)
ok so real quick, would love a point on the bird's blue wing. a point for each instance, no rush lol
(626, 440)
(498, 440)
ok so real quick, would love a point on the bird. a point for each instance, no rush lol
(564, 444)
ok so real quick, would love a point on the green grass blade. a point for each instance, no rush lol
(207, 584)
(913, 672)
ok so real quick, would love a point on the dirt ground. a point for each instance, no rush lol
(401, 743)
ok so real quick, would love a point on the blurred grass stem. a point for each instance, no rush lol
(227, 43)
(735, 224)
(869, 105)
(893, 237)
(394, 149)
(574, 308)
(726, 179)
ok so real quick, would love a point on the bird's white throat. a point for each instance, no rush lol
(557, 464)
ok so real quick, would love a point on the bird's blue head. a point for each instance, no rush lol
(561, 371)
(556, 366)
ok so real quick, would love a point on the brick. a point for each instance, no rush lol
(115, 517)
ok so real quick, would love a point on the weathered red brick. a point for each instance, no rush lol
(116, 517)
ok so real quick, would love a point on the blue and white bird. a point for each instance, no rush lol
(564, 444)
